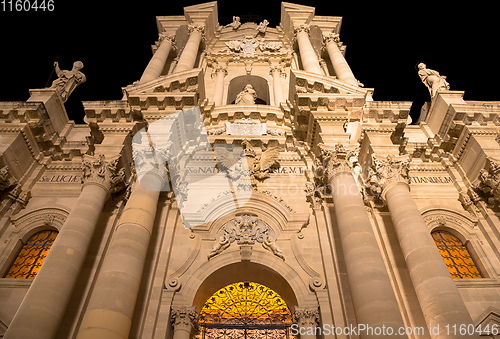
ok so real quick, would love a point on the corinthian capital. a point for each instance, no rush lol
(301, 28)
(335, 160)
(385, 172)
(331, 37)
(184, 318)
(196, 28)
(99, 171)
(305, 317)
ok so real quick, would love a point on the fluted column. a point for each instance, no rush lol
(436, 291)
(307, 54)
(304, 318)
(372, 294)
(44, 305)
(220, 72)
(278, 89)
(111, 306)
(184, 320)
(190, 52)
(157, 63)
(340, 65)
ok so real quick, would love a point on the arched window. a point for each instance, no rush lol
(456, 256)
(31, 256)
(245, 310)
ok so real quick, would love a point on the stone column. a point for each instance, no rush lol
(436, 291)
(278, 89)
(157, 63)
(43, 307)
(307, 54)
(372, 294)
(184, 320)
(220, 72)
(342, 69)
(111, 306)
(190, 52)
(305, 318)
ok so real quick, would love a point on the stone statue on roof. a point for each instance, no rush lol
(432, 79)
(67, 81)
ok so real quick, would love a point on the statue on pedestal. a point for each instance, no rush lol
(432, 79)
(247, 96)
(67, 81)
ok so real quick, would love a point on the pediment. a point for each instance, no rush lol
(489, 319)
(178, 90)
(303, 82)
(187, 81)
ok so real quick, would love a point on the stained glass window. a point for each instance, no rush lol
(456, 256)
(245, 310)
(31, 256)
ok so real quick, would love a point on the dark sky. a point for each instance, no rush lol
(384, 43)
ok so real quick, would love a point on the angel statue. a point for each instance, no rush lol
(432, 79)
(236, 23)
(247, 96)
(262, 27)
(67, 81)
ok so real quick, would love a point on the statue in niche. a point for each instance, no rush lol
(247, 96)
(67, 81)
(432, 79)
(236, 23)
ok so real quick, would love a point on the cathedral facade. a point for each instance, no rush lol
(248, 186)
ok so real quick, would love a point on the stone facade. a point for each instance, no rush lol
(342, 196)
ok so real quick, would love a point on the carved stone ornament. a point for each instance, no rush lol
(385, 172)
(184, 318)
(5, 180)
(489, 182)
(305, 317)
(246, 229)
(96, 170)
(250, 47)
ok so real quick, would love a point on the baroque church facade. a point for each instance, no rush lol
(248, 186)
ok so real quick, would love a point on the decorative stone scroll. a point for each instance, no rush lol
(246, 230)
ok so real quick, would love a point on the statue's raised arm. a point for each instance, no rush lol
(67, 81)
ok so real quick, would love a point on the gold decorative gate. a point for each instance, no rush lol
(245, 310)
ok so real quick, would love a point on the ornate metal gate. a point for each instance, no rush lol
(245, 310)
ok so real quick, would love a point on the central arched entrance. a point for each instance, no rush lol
(245, 310)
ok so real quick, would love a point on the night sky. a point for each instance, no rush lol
(384, 43)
